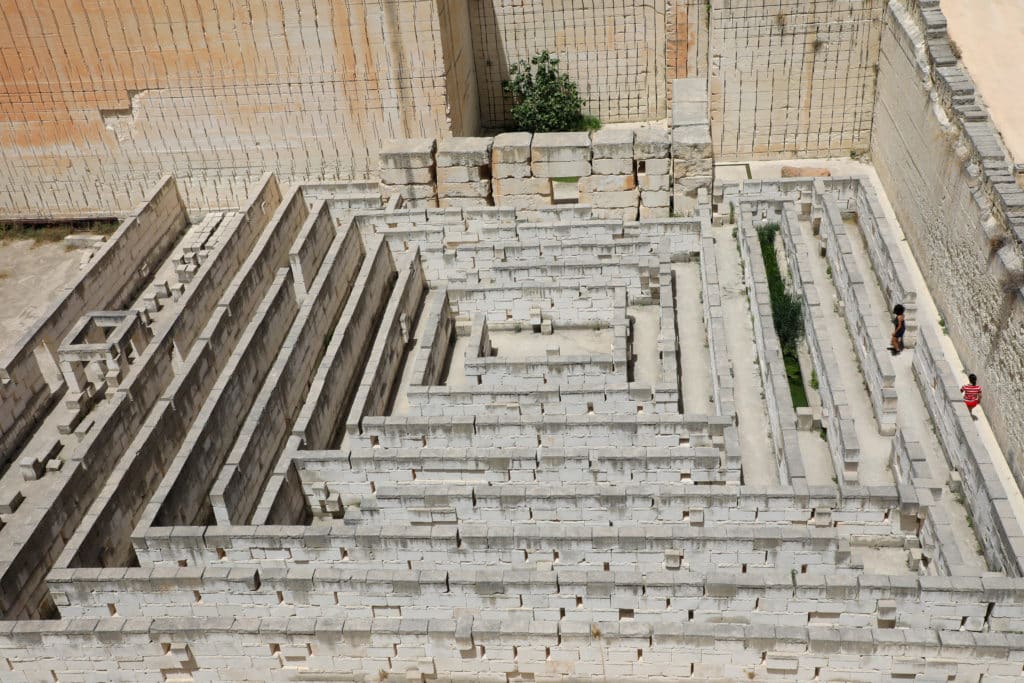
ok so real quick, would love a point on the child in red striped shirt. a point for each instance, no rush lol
(972, 394)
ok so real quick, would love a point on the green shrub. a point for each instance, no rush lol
(545, 100)
(787, 309)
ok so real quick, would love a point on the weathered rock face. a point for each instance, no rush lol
(99, 102)
(100, 105)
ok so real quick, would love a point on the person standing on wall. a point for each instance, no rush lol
(972, 394)
(899, 328)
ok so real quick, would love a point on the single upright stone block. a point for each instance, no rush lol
(511, 148)
(612, 143)
(561, 147)
(408, 153)
(651, 143)
(464, 152)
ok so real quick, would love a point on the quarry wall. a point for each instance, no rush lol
(100, 100)
(613, 49)
(942, 161)
(792, 79)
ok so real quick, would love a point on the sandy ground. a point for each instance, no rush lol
(758, 462)
(645, 343)
(570, 342)
(990, 35)
(694, 355)
(31, 276)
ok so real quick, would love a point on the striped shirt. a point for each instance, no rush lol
(971, 392)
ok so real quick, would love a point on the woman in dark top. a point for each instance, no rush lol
(899, 327)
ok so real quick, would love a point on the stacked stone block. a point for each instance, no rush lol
(512, 181)
(407, 169)
(612, 187)
(464, 172)
(692, 163)
(651, 148)
(562, 159)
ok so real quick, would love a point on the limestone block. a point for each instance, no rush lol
(612, 166)
(610, 200)
(511, 148)
(690, 142)
(656, 199)
(30, 468)
(464, 152)
(564, 192)
(690, 90)
(408, 153)
(507, 186)
(480, 188)
(462, 174)
(690, 186)
(411, 191)
(607, 183)
(654, 211)
(803, 172)
(560, 147)
(511, 170)
(421, 203)
(628, 213)
(523, 201)
(657, 166)
(462, 202)
(651, 143)
(560, 169)
(683, 168)
(406, 176)
(612, 143)
(10, 500)
(653, 182)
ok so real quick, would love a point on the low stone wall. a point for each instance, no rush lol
(620, 173)
(919, 496)
(604, 396)
(901, 603)
(258, 649)
(552, 430)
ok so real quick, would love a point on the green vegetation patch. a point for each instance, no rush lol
(787, 314)
(544, 100)
(54, 231)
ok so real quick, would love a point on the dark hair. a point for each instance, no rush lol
(973, 378)
(898, 309)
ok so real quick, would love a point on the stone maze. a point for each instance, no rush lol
(516, 408)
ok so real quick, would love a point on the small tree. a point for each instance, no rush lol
(545, 100)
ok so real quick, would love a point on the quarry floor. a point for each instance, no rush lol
(31, 275)
(990, 35)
